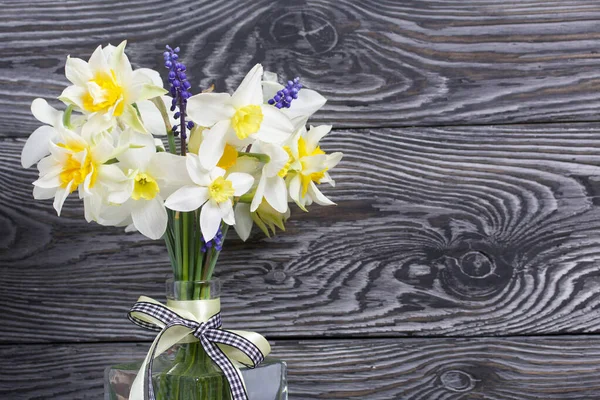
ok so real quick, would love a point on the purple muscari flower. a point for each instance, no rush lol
(216, 242)
(179, 89)
(284, 97)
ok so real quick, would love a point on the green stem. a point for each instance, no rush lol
(215, 254)
(186, 243)
(177, 234)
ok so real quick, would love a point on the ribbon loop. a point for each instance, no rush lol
(150, 314)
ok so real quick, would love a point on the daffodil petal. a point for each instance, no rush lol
(227, 212)
(314, 135)
(307, 103)
(37, 145)
(275, 127)
(130, 118)
(206, 109)
(98, 62)
(241, 182)
(243, 221)
(73, 95)
(78, 71)
(151, 117)
(213, 144)
(187, 198)
(44, 112)
(60, 197)
(258, 193)
(150, 217)
(210, 220)
(197, 173)
(276, 193)
(40, 193)
(319, 197)
(250, 90)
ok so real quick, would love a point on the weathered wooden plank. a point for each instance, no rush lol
(417, 369)
(380, 63)
(454, 231)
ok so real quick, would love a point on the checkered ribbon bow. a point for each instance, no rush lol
(209, 334)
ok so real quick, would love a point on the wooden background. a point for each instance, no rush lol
(462, 259)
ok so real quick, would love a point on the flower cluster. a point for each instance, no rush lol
(249, 153)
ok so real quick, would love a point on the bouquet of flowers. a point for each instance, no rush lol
(239, 159)
(228, 160)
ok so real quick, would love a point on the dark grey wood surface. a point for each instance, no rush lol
(532, 368)
(467, 199)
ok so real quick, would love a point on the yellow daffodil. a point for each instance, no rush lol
(310, 166)
(106, 88)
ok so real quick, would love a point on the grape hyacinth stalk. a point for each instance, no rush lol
(192, 259)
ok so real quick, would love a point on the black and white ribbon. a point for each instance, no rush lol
(209, 333)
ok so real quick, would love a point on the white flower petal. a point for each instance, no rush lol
(40, 193)
(170, 168)
(60, 197)
(270, 87)
(150, 217)
(213, 144)
(119, 62)
(307, 103)
(333, 159)
(95, 124)
(295, 187)
(227, 214)
(319, 197)
(275, 127)
(216, 172)
(250, 90)
(98, 62)
(45, 113)
(206, 109)
(37, 145)
(210, 220)
(152, 74)
(73, 95)
(259, 193)
(314, 135)
(241, 182)
(187, 198)
(243, 221)
(131, 118)
(276, 194)
(78, 71)
(152, 118)
(139, 154)
(197, 173)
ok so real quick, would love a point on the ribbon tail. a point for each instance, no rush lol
(231, 372)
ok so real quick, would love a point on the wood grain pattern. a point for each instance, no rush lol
(459, 231)
(380, 63)
(416, 369)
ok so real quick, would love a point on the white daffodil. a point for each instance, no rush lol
(237, 119)
(74, 163)
(106, 88)
(271, 185)
(213, 191)
(309, 167)
(138, 187)
(306, 104)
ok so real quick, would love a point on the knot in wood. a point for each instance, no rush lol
(304, 31)
(457, 380)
